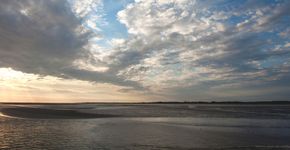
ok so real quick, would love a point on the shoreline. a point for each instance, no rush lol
(158, 102)
(44, 113)
(87, 111)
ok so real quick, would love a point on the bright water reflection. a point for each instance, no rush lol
(141, 133)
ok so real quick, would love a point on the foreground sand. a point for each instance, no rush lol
(145, 127)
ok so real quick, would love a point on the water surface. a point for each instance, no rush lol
(158, 132)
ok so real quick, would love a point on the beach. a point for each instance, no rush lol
(145, 126)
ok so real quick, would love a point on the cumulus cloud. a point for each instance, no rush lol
(38, 36)
(199, 44)
(49, 37)
(179, 49)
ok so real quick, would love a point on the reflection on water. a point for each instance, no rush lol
(55, 134)
(141, 133)
(218, 122)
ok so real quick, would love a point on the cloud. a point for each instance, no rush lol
(48, 37)
(17, 86)
(186, 44)
(39, 39)
(175, 48)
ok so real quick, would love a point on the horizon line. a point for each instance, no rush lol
(158, 102)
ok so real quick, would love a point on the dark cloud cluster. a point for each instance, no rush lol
(45, 37)
(39, 36)
(180, 49)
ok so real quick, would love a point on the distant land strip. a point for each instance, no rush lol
(158, 102)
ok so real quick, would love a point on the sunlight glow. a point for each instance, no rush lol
(8, 73)
(16, 86)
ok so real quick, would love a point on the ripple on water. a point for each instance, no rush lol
(140, 133)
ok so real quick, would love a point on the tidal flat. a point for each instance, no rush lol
(145, 126)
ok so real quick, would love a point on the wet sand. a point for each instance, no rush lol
(44, 113)
(145, 127)
(147, 110)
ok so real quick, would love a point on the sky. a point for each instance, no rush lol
(144, 50)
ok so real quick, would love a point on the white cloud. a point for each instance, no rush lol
(172, 45)
(287, 44)
(85, 7)
(191, 43)
(91, 12)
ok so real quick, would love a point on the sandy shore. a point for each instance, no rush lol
(146, 110)
(43, 113)
(144, 127)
